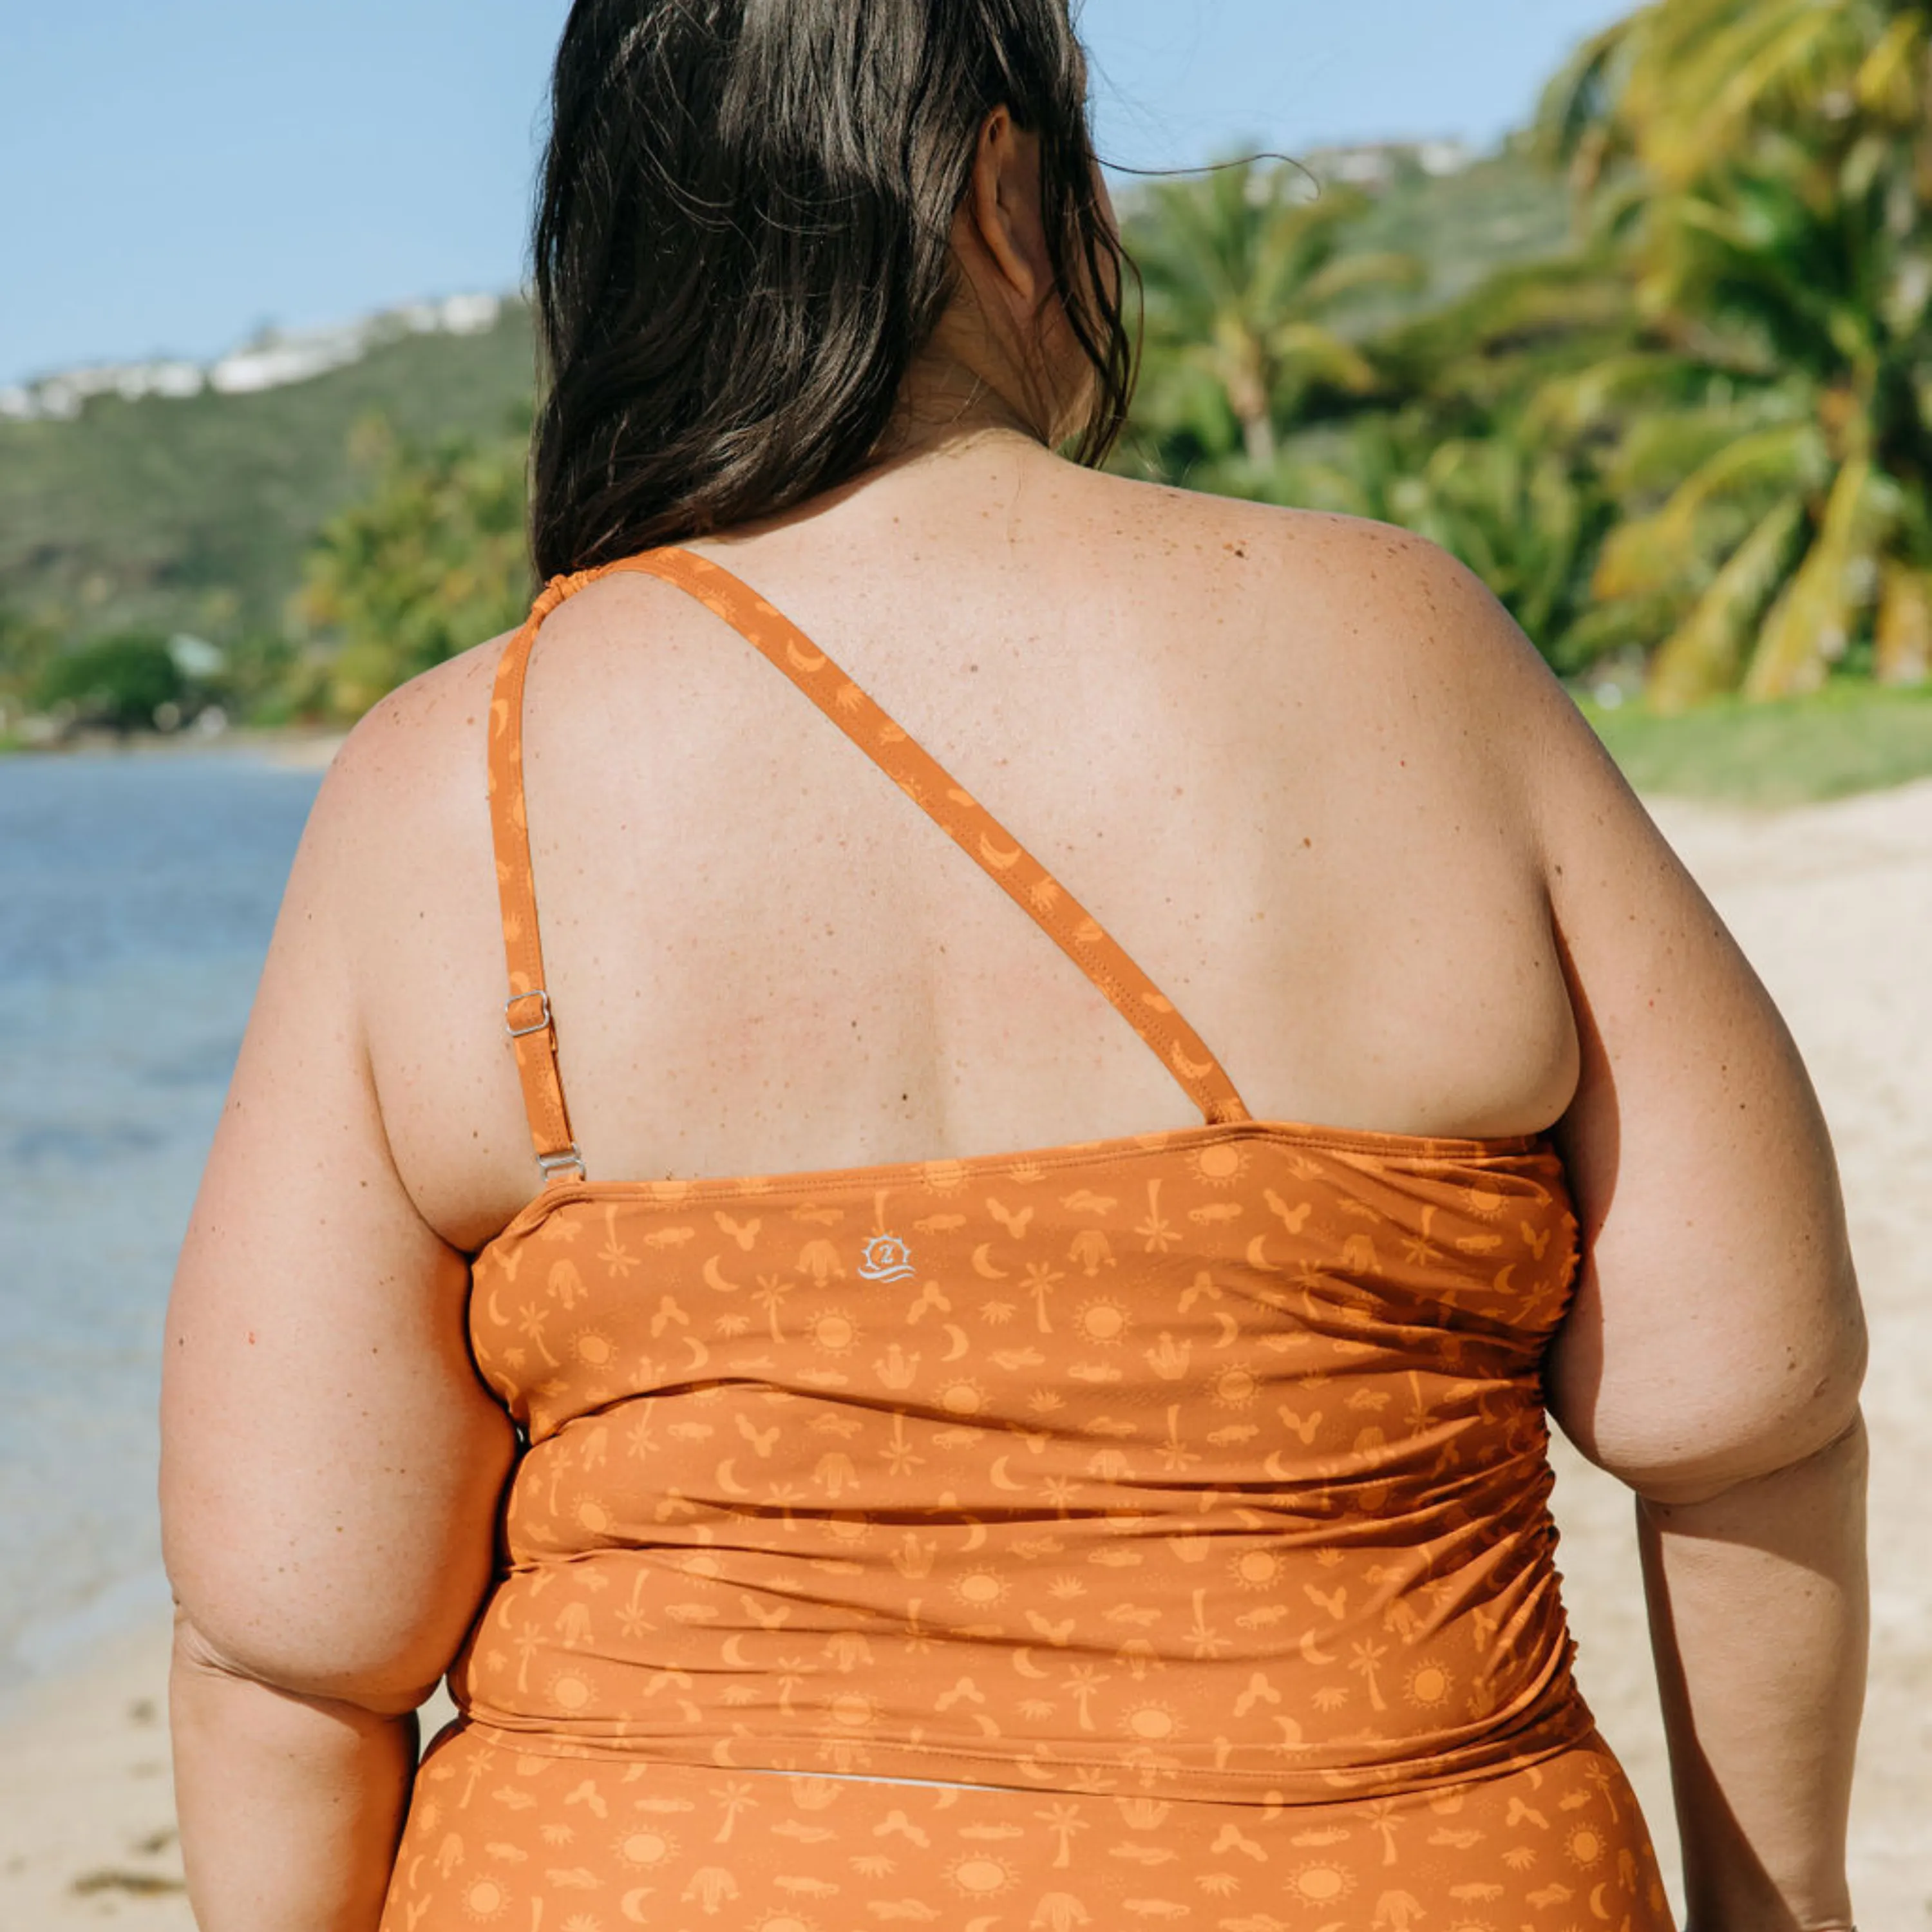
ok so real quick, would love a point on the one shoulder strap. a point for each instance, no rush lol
(901, 758)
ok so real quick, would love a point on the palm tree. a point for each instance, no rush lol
(1243, 272)
(1793, 513)
(1763, 166)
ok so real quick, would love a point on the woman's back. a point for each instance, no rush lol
(761, 958)
(1326, 800)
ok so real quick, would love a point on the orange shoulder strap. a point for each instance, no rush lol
(902, 759)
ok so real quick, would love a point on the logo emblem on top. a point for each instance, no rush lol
(887, 1258)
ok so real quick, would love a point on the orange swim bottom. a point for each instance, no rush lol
(529, 1843)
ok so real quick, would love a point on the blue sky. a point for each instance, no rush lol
(174, 173)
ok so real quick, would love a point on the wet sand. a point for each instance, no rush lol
(1833, 905)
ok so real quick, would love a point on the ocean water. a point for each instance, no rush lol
(137, 894)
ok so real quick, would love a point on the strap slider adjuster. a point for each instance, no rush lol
(553, 1164)
(541, 1024)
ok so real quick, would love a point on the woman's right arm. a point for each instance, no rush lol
(1713, 1357)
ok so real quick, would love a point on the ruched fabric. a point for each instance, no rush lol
(1148, 1531)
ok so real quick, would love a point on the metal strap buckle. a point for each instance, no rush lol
(555, 1163)
(541, 1024)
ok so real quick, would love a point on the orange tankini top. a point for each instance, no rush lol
(1188, 1471)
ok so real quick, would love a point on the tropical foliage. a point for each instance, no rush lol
(1762, 169)
(433, 560)
(1660, 372)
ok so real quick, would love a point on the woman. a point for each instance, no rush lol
(1148, 1528)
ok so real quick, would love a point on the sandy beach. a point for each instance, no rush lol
(1833, 905)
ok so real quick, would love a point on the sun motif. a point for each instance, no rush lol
(1103, 1319)
(1485, 1203)
(944, 1176)
(1152, 1722)
(569, 1692)
(1321, 1883)
(832, 1331)
(1258, 1567)
(979, 1876)
(1585, 1845)
(980, 1589)
(1427, 1686)
(852, 1711)
(1234, 1387)
(1221, 1164)
(592, 1348)
(786, 1921)
(483, 1899)
(846, 1525)
(962, 1395)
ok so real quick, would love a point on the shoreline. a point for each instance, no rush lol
(291, 747)
(1833, 903)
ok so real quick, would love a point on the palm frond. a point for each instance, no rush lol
(1812, 622)
(1705, 654)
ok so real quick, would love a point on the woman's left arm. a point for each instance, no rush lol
(330, 1465)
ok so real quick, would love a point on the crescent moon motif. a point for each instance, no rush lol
(982, 1267)
(714, 1277)
(1182, 1064)
(1597, 1908)
(1258, 1255)
(1023, 1663)
(1272, 1465)
(727, 1481)
(1002, 862)
(1001, 1480)
(976, 1537)
(728, 1653)
(1312, 1652)
(495, 1313)
(961, 1341)
(631, 1905)
(1230, 1329)
(699, 1353)
(805, 661)
(1503, 1277)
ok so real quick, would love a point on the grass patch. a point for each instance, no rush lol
(1851, 737)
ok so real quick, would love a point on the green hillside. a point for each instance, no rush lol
(193, 514)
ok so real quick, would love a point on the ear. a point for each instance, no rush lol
(1003, 205)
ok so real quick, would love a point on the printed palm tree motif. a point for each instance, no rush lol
(1384, 1818)
(1084, 1680)
(615, 1256)
(899, 1456)
(736, 1797)
(531, 1318)
(1041, 1280)
(1064, 1822)
(1155, 1230)
(1202, 1638)
(772, 1290)
(632, 1619)
(526, 1644)
(1365, 1661)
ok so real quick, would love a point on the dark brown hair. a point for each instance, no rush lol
(742, 243)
